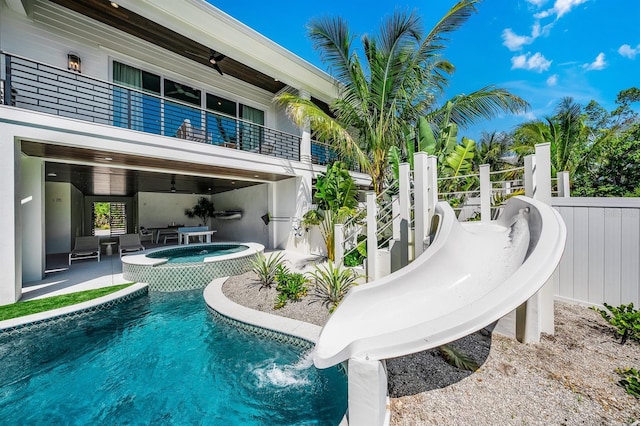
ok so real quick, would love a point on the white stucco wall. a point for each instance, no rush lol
(253, 201)
(58, 217)
(32, 212)
(159, 210)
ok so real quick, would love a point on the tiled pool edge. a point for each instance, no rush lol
(170, 277)
(280, 328)
(30, 322)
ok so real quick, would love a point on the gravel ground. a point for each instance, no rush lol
(567, 379)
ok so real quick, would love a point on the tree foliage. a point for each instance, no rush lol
(382, 95)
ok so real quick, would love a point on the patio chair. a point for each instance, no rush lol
(85, 248)
(129, 243)
(145, 234)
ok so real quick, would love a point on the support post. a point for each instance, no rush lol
(421, 195)
(372, 237)
(543, 173)
(338, 242)
(432, 193)
(404, 213)
(530, 176)
(564, 186)
(305, 135)
(367, 392)
(536, 316)
(485, 193)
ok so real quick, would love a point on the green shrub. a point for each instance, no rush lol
(624, 318)
(630, 380)
(266, 268)
(331, 284)
(291, 286)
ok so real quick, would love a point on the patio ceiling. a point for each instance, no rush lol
(92, 173)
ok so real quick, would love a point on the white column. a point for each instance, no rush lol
(338, 243)
(536, 315)
(564, 186)
(367, 391)
(33, 221)
(305, 135)
(543, 173)
(10, 225)
(432, 189)
(420, 199)
(529, 175)
(485, 193)
(404, 213)
(372, 237)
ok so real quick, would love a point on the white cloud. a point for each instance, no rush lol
(596, 65)
(553, 80)
(537, 3)
(536, 62)
(515, 42)
(629, 52)
(560, 7)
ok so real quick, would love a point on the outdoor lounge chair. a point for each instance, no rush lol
(129, 243)
(146, 235)
(85, 248)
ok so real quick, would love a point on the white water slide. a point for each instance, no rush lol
(472, 274)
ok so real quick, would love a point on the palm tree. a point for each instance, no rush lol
(571, 144)
(381, 99)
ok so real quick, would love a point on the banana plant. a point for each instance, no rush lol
(336, 197)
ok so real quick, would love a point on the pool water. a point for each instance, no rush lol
(162, 359)
(197, 253)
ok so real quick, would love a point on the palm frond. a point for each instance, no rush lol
(485, 103)
(457, 359)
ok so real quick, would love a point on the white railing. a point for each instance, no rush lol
(402, 224)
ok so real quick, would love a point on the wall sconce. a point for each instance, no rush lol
(75, 64)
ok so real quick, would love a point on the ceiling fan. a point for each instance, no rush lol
(180, 91)
(214, 58)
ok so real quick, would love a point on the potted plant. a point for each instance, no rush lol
(202, 210)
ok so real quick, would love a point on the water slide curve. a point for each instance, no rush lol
(471, 275)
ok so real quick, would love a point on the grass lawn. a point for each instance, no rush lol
(49, 303)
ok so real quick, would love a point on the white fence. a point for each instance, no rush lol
(601, 261)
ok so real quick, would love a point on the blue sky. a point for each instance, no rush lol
(540, 50)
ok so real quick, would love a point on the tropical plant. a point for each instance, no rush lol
(401, 80)
(331, 284)
(266, 268)
(336, 200)
(457, 359)
(291, 286)
(202, 210)
(630, 380)
(624, 318)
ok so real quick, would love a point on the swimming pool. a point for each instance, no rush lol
(178, 268)
(197, 254)
(162, 359)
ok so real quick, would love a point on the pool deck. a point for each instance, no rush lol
(60, 278)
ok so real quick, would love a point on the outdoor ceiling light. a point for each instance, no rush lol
(114, 4)
(74, 62)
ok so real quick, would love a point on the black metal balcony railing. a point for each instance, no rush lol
(40, 87)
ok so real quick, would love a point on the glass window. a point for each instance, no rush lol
(182, 92)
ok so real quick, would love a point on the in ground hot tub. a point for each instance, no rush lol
(190, 266)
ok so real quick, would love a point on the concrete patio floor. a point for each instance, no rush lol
(60, 278)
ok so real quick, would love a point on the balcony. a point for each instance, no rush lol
(39, 87)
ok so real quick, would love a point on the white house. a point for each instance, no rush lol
(146, 105)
